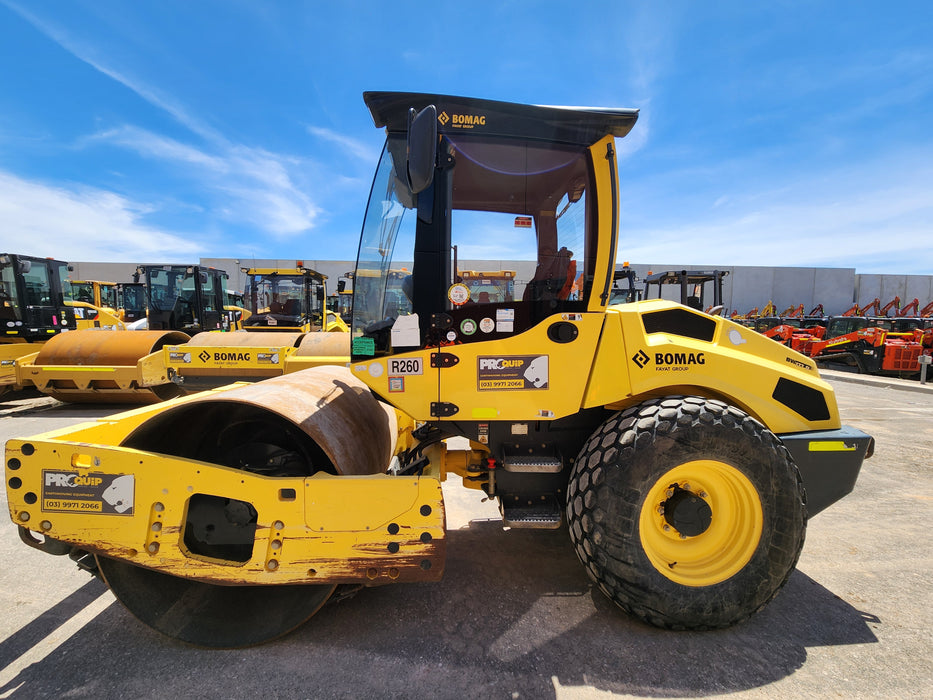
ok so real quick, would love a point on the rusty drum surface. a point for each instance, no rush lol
(327, 404)
(101, 348)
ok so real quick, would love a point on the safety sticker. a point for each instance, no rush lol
(364, 346)
(483, 433)
(468, 326)
(459, 294)
(505, 320)
(514, 372)
(396, 385)
(94, 492)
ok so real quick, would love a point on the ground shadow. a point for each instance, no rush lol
(515, 616)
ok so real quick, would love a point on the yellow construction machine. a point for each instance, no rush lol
(101, 294)
(684, 452)
(113, 366)
(95, 303)
(34, 307)
(148, 366)
(489, 286)
(341, 302)
(287, 328)
(289, 300)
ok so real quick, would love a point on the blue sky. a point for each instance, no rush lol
(779, 133)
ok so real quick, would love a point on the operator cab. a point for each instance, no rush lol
(462, 184)
(32, 298)
(284, 299)
(188, 298)
(692, 287)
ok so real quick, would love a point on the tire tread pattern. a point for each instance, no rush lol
(620, 462)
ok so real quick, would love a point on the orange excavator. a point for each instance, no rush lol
(792, 311)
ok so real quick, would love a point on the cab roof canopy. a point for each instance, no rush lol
(468, 115)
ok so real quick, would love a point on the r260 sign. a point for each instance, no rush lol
(399, 366)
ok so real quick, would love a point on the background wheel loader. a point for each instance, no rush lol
(95, 304)
(683, 452)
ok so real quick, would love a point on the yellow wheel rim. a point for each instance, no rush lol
(724, 547)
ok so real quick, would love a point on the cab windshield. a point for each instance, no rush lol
(282, 295)
(165, 284)
(501, 199)
(82, 291)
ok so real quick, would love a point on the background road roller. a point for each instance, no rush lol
(34, 307)
(148, 366)
(681, 452)
(98, 365)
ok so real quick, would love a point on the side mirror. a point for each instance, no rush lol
(320, 294)
(422, 148)
(25, 266)
(203, 277)
(341, 285)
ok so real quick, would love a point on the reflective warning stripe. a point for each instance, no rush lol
(831, 446)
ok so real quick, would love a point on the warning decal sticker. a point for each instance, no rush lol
(75, 492)
(512, 372)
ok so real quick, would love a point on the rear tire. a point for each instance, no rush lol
(687, 512)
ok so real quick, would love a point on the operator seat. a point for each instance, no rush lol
(550, 277)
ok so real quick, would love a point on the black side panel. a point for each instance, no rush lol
(680, 322)
(809, 403)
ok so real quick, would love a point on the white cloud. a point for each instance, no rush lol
(246, 185)
(354, 147)
(83, 224)
(251, 185)
(877, 219)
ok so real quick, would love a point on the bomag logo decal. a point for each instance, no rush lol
(669, 361)
(512, 372)
(231, 357)
(462, 121)
(88, 493)
(206, 356)
(641, 359)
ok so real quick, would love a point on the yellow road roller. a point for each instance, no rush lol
(34, 307)
(681, 452)
(148, 366)
(100, 365)
(288, 328)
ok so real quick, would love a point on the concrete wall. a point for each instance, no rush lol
(743, 288)
(886, 287)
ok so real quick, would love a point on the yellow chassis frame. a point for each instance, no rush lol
(321, 529)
